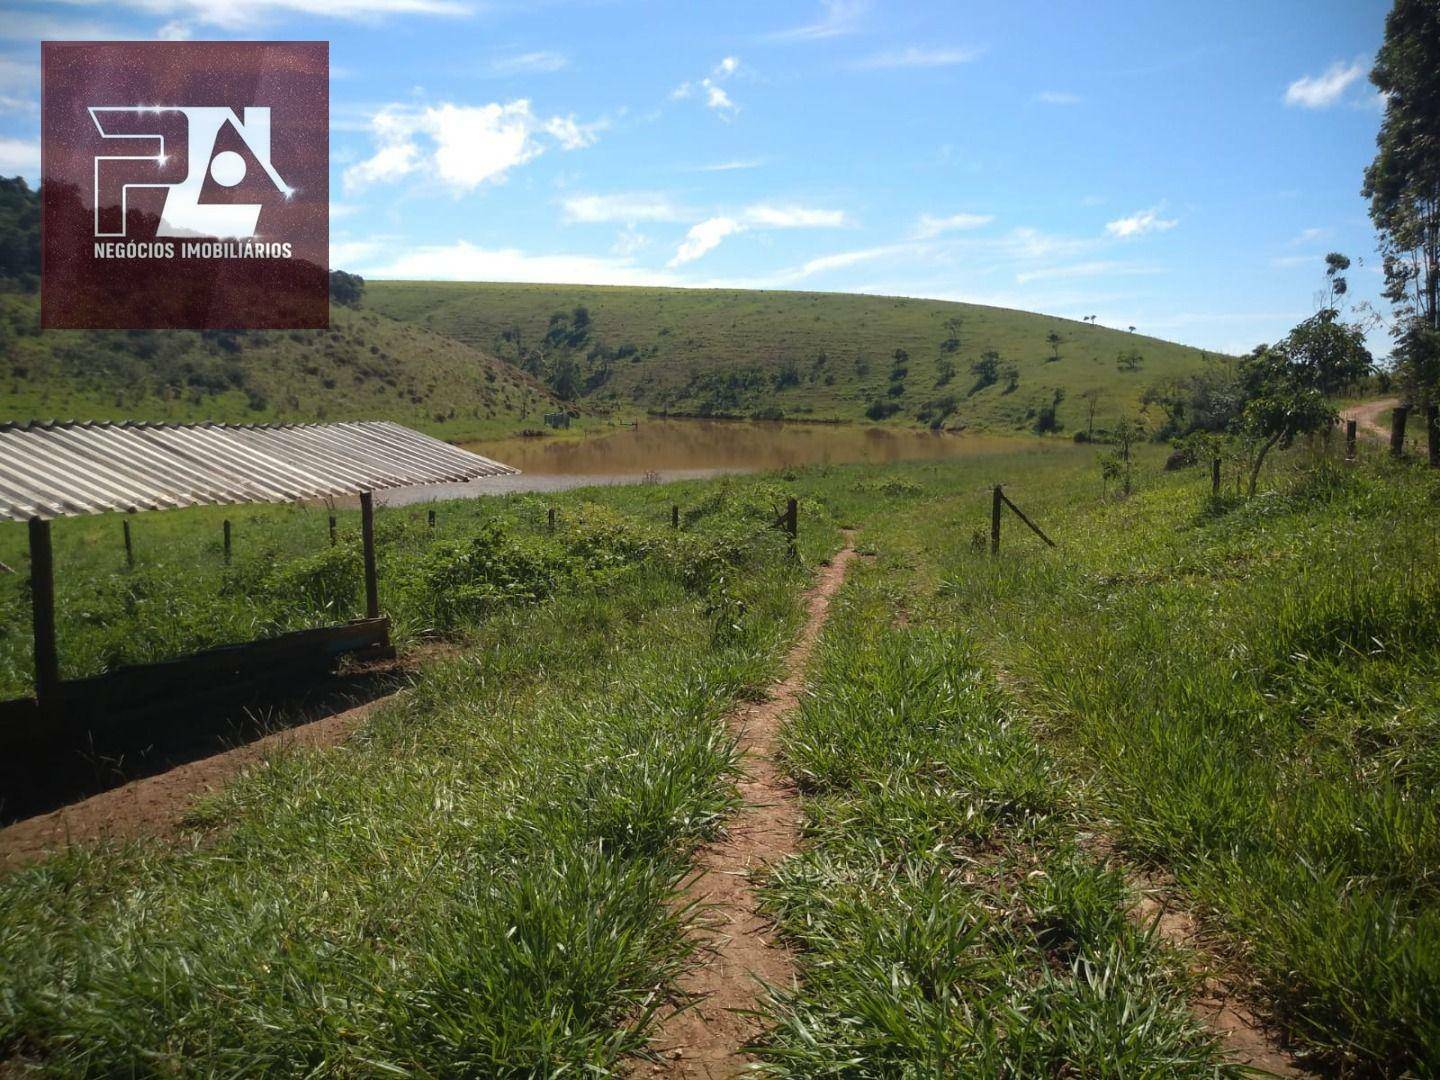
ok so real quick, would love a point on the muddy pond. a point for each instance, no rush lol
(663, 450)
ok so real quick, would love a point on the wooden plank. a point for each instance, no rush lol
(367, 530)
(42, 605)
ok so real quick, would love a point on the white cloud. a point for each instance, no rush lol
(840, 17)
(629, 241)
(235, 16)
(463, 261)
(916, 57)
(1309, 236)
(729, 166)
(842, 259)
(30, 26)
(1073, 271)
(1057, 97)
(623, 207)
(1140, 223)
(1323, 90)
(704, 237)
(542, 62)
(175, 30)
(766, 216)
(929, 226)
(707, 235)
(462, 146)
(715, 95)
(19, 156)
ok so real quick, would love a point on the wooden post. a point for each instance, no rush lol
(674, 516)
(332, 530)
(129, 546)
(1432, 434)
(995, 506)
(227, 541)
(367, 532)
(1215, 476)
(1350, 428)
(431, 517)
(42, 602)
(792, 522)
(550, 519)
(1397, 430)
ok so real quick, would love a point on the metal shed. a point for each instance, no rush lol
(64, 468)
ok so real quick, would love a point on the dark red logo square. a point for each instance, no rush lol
(185, 185)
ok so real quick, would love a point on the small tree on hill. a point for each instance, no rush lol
(1053, 340)
(986, 370)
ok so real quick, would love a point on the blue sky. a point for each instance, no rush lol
(1178, 168)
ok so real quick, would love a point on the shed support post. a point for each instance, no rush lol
(367, 532)
(42, 600)
(129, 545)
(995, 507)
(227, 541)
(674, 515)
(1350, 432)
(1214, 476)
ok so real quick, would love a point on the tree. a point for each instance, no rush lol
(1281, 402)
(346, 289)
(1091, 398)
(1129, 360)
(944, 370)
(953, 327)
(986, 370)
(1403, 186)
(1053, 340)
(1011, 374)
(1329, 355)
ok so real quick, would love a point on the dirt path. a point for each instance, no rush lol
(1246, 1038)
(157, 805)
(704, 1041)
(1367, 417)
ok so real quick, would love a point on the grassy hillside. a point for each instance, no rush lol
(365, 366)
(796, 354)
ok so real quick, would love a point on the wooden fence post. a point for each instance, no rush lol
(430, 517)
(227, 541)
(332, 530)
(367, 533)
(1350, 429)
(1215, 476)
(995, 505)
(129, 545)
(792, 521)
(550, 519)
(1397, 430)
(42, 606)
(674, 516)
(1432, 434)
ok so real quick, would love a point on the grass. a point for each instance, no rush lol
(806, 355)
(365, 367)
(477, 884)
(949, 923)
(1238, 695)
(483, 555)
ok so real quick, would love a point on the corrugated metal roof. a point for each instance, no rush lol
(57, 469)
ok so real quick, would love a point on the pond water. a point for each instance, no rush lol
(686, 449)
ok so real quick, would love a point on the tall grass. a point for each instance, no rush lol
(948, 924)
(477, 884)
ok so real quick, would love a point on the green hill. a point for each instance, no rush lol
(796, 354)
(366, 366)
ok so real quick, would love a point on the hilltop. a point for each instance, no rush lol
(798, 355)
(365, 366)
